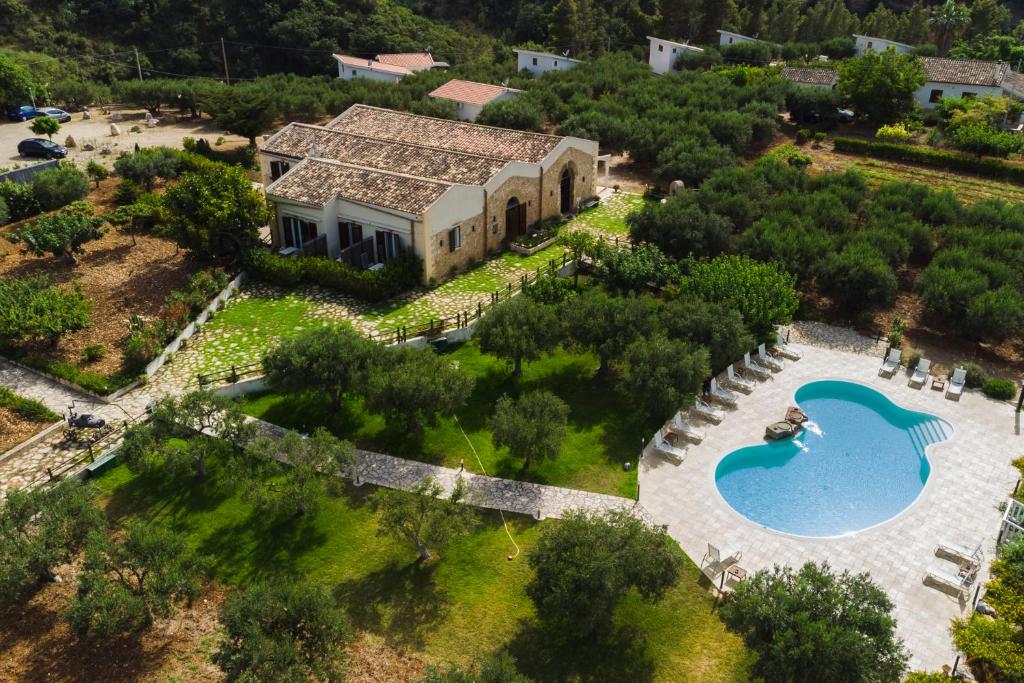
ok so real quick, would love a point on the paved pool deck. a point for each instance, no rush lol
(971, 476)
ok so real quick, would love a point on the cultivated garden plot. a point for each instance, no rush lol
(260, 315)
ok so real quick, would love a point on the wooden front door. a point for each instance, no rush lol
(515, 219)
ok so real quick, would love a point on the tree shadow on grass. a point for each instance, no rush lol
(546, 655)
(401, 602)
(173, 497)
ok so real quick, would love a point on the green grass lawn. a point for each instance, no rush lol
(610, 215)
(603, 432)
(459, 608)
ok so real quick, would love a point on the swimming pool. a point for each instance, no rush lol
(859, 461)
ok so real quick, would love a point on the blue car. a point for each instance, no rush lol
(23, 113)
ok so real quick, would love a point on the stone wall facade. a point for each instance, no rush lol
(583, 186)
(527, 191)
(443, 262)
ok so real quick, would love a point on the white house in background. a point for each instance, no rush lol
(954, 78)
(864, 44)
(730, 38)
(386, 67)
(539, 63)
(470, 97)
(665, 53)
(375, 182)
(825, 79)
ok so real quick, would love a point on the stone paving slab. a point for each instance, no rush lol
(971, 475)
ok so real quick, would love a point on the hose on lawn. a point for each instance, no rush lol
(484, 470)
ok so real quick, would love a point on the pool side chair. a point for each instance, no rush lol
(672, 453)
(891, 364)
(961, 553)
(920, 376)
(759, 371)
(723, 396)
(784, 349)
(680, 426)
(955, 388)
(734, 381)
(766, 359)
(708, 412)
(948, 579)
(715, 558)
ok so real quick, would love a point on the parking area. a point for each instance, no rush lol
(96, 132)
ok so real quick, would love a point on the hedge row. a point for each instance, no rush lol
(954, 161)
(398, 275)
(26, 408)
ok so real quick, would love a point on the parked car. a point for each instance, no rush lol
(23, 113)
(54, 113)
(41, 147)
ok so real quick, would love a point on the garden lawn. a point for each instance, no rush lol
(609, 217)
(456, 609)
(603, 430)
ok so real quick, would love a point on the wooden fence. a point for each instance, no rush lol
(93, 449)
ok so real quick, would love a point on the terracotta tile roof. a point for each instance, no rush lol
(471, 138)
(471, 92)
(809, 76)
(372, 65)
(1014, 82)
(409, 60)
(318, 181)
(964, 71)
(299, 140)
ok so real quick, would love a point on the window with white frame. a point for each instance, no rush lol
(455, 238)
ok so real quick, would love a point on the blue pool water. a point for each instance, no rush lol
(859, 461)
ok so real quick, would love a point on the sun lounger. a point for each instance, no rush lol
(757, 370)
(944, 577)
(785, 350)
(680, 426)
(972, 556)
(734, 381)
(766, 359)
(723, 396)
(662, 444)
(956, 384)
(891, 363)
(708, 412)
(920, 376)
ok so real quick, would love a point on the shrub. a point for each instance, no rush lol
(976, 375)
(93, 353)
(20, 200)
(819, 137)
(896, 132)
(635, 269)
(996, 315)
(58, 186)
(912, 360)
(26, 408)
(96, 172)
(397, 275)
(803, 135)
(126, 192)
(550, 290)
(999, 389)
(60, 234)
(33, 308)
(5, 214)
(858, 277)
(953, 161)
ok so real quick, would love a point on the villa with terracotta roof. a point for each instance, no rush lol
(470, 97)
(374, 182)
(955, 78)
(386, 67)
(810, 77)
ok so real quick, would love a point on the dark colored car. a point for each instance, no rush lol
(23, 113)
(41, 147)
(54, 113)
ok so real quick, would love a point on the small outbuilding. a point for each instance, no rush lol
(471, 97)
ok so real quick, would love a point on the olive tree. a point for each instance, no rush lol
(532, 427)
(332, 360)
(518, 330)
(659, 374)
(60, 234)
(424, 516)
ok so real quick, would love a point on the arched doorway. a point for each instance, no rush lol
(565, 185)
(515, 218)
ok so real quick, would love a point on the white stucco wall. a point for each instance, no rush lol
(663, 54)
(348, 72)
(949, 90)
(730, 38)
(455, 206)
(545, 62)
(861, 45)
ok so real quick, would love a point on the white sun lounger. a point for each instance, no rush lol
(891, 364)
(680, 426)
(920, 376)
(784, 349)
(723, 396)
(956, 384)
(944, 577)
(708, 412)
(673, 454)
(766, 359)
(759, 371)
(960, 552)
(734, 381)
